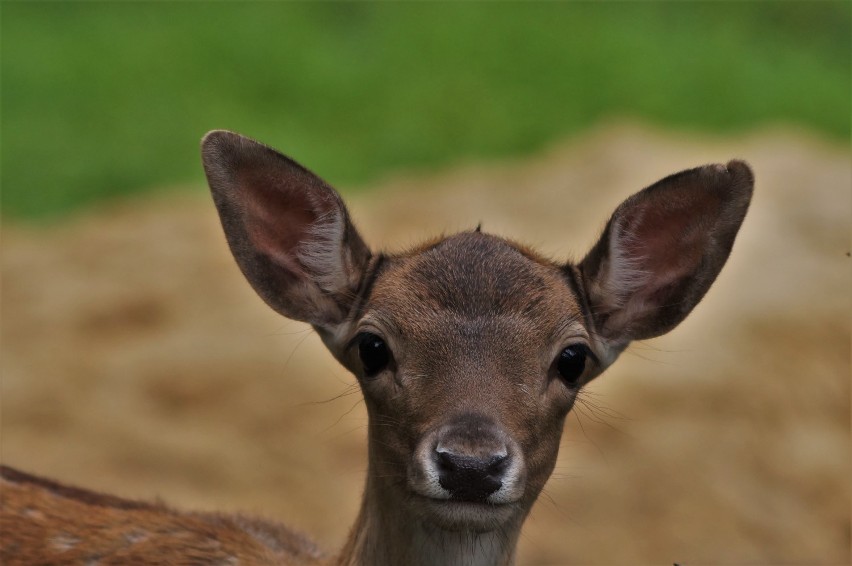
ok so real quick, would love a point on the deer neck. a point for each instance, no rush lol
(388, 533)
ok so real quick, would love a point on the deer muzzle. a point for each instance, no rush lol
(469, 459)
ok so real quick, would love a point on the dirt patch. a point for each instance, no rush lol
(136, 360)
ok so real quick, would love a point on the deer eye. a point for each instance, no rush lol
(374, 353)
(571, 363)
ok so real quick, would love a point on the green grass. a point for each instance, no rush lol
(102, 99)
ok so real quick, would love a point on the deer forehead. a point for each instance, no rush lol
(474, 287)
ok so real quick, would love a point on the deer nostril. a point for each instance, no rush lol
(470, 478)
(498, 464)
(446, 462)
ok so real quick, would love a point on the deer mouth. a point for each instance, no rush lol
(460, 515)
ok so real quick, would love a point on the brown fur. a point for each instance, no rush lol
(474, 324)
(44, 522)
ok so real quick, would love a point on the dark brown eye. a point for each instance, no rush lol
(571, 363)
(374, 353)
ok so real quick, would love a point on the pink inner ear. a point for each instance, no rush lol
(277, 217)
(667, 240)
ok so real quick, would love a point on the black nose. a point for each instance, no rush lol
(470, 478)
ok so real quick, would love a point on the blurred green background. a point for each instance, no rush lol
(103, 99)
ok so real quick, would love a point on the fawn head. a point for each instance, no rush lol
(470, 350)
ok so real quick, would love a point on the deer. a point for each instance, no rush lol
(469, 350)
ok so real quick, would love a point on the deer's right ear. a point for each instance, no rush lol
(288, 230)
(663, 248)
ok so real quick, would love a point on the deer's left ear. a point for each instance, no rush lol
(663, 248)
(288, 230)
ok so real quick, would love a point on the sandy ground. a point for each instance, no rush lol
(136, 360)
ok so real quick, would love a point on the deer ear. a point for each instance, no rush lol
(288, 230)
(663, 248)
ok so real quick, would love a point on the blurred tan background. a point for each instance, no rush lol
(136, 360)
